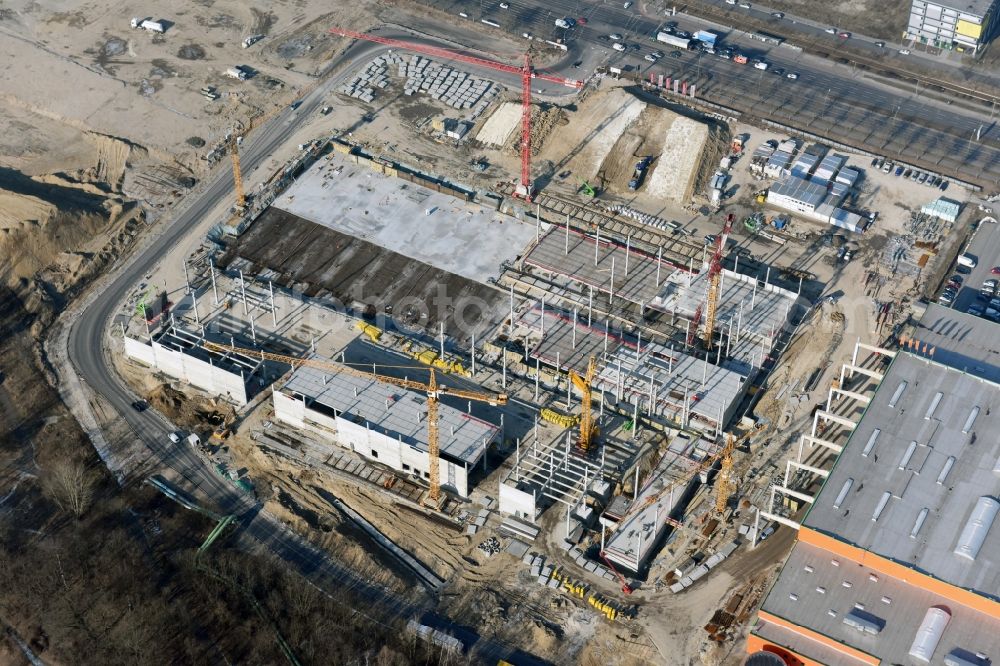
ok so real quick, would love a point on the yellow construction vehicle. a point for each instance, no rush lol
(433, 390)
(588, 430)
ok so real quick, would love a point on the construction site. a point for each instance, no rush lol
(566, 385)
(541, 399)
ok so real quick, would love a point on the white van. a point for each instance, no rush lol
(967, 260)
(193, 440)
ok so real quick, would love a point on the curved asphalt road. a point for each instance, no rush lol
(86, 353)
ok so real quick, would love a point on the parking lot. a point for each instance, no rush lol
(984, 248)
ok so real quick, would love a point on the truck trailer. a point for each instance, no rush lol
(148, 24)
(674, 40)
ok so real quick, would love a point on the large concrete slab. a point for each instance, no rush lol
(435, 228)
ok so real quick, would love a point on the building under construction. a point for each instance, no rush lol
(384, 423)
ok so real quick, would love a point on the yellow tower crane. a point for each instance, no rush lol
(726, 484)
(584, 384)
(433, 390)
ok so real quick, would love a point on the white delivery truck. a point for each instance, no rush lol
(967, 260)
(193, 440)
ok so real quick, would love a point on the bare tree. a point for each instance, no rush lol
(70, 485)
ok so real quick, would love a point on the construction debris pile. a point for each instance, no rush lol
(909, 253)
(543, 121)
(491, 546)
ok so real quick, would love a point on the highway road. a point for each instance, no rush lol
(827, 99)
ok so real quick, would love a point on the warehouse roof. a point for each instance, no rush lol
(962, 341)
(909, 483)
(818, 591)
(800, 189)
(395, 412)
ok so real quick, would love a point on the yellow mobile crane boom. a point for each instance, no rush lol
(584, 384)
(433, 390)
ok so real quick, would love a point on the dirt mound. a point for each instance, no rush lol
(642, 138)
(592, 132)
(543, 121)
(167, 399)
(191, 52)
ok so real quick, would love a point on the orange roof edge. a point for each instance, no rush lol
(805, 632)
(899, 571)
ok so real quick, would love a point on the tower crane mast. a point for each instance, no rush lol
(525, 71)
(431, 388)
(715, 280)
(585, 384)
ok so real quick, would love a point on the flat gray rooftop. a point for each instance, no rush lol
(633, 539)
(463, 238)
(669, 376)
(977, 7)
(928, 445)
(961, 341)
(590, 263)
(800, 189)
(752, 307)
(569, 342)
(899, 605)
(395, 412)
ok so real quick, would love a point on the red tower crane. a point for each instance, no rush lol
(526, 72)
(712, 296)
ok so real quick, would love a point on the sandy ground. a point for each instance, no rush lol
(676, 169)
(584, 144)
(498, 127)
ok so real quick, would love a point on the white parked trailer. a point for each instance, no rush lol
(148, 24)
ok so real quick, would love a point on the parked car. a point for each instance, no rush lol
(990, 284)
(615, 36)
(958, 279)
(745, 5)
(995, 270)
(778, 15)
(174, 437)
(906, 174)
(626, 5)
(778, 71)
(504, 5)
(886, 167)
(923, 178)
(904, 51)
(946, 299)
(793, 75)
(976, 309)
(943, 186)
(880, 45)
(831, 31)
(844, 35)
(140, 405)
(899, 171)
(618, 46)
(915, 176)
